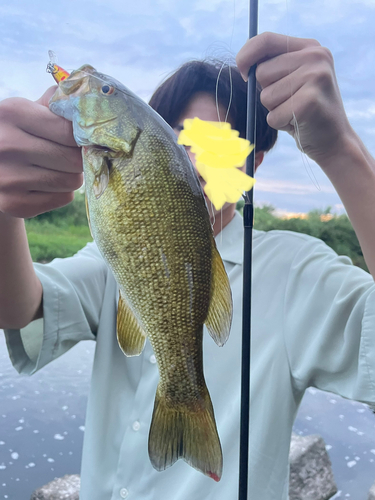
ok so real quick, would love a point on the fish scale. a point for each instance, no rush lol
(149, 219)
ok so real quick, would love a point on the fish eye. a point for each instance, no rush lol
(107, 89)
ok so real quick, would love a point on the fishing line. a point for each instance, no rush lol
(294, 122)
(217, 90)
(230, 98)
(229, 69)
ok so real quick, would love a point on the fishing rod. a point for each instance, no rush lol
(248, 217)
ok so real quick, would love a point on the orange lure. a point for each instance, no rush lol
(59, 74)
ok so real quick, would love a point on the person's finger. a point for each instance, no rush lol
(281, 117)
(36, 119)
(45, 98)
(275, 69)
(20, 147)
(311, 58)
(22, 178)
(266, 46)
(275, 94)
(302, 106)
(33, 203)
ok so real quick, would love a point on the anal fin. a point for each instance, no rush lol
(130, 335)
(219, 317)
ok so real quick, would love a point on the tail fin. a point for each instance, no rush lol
(185, 433)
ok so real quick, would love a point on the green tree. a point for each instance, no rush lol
(337, 231)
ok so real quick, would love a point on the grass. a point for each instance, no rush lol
(48, 241)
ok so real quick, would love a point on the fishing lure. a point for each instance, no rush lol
(59, 74)
(219, 151)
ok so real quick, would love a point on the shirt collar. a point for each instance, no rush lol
(229, 241)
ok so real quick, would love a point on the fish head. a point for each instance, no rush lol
(109, 121)
(102, 110)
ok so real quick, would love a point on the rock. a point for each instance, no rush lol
(64, 488)
(371, 493)
(311, 476)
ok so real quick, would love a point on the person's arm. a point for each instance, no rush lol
(40, 168)
(352, 172)
(298, 80)
(20, 289)
(328, 321)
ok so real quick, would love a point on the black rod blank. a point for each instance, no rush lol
(248, 216)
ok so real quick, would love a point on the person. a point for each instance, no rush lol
(313, 313)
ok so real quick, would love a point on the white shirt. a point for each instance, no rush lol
(313, 324)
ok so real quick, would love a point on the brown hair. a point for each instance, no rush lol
(172, 97)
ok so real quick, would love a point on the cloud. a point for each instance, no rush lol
(360, 109)
(321, 13)
(211, 5)
(282, 186)
(140, 42)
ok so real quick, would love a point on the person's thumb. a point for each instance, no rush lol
(44, 100)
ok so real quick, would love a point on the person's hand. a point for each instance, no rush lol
(40, 163)
(298, 82)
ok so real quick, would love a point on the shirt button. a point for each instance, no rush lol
(136, 427)
(152, 359)
(124, 493)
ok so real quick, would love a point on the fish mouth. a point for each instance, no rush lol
(78, 81)
(77, 89)
(76, 85)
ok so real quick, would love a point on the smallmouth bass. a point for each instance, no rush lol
(149, 219)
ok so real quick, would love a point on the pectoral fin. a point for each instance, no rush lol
(130, 335)
(219, 318)
(101, 180)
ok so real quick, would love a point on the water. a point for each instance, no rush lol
(42, 421)
(348, 429)
(42, 427)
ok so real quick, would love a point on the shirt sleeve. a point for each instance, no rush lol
(73, 291)
(329, 323)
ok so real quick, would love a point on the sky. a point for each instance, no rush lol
(140, 42)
